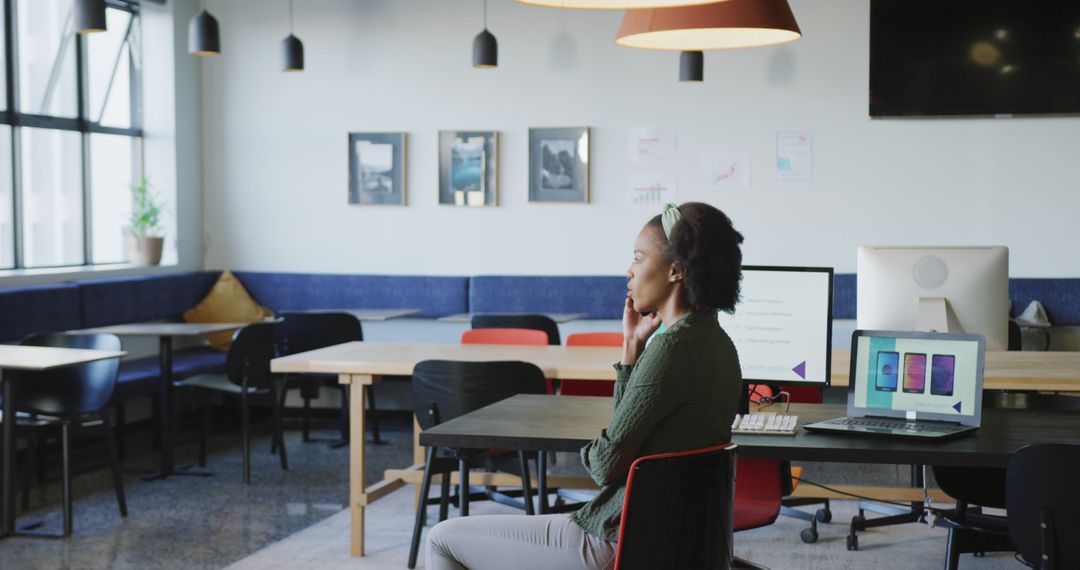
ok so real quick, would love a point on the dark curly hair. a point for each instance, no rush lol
(704, 247)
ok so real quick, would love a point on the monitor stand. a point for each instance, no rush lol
(936, 315)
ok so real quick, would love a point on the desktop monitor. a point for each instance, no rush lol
(942, 289)
(782, 325)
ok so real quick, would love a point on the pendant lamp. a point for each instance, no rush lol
(721, 25)
(292, 50)
(613, 4)
(89, 16)
(485, 50)
(204, 38)
(692, 66)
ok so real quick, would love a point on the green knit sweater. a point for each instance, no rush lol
(681, 394)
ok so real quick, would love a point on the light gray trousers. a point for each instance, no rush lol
(543, 542)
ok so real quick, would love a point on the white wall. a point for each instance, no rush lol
(277, 169)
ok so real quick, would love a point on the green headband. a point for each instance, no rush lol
(669, 218)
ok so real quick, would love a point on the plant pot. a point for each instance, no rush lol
(144, 250)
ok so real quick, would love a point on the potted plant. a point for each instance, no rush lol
(144, 239)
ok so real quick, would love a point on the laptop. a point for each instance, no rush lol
(912, 385)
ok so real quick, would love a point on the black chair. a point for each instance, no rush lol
(970, 530)
(534, 322)
(302, 331)
(1044, 506)
(247, 374)
(677, 511)
(73, 397)
(443, 390)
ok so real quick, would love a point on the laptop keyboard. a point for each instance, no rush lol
(893, 424)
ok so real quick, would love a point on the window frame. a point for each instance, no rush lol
(12, 115)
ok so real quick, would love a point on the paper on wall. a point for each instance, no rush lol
(724, 170)
(650, 144)
(794, 157)
(650, 190)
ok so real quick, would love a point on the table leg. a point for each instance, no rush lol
(419, 458)
(8, 523)
(357, 495)
(541, 482)
(166, 413)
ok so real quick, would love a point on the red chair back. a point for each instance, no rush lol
(504, 336)
(590, 387)
(677, 509)
(508, 336)
(758, 493)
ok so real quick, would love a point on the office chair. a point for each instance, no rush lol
(302, 331)
(677, 511)
(443, 390)
(522, 336)
(1041, 498)
(247, 375)
(590, 387)
(535, 322)
(73, 397)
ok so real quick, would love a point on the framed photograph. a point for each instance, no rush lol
(377, 168)
(559, 165)
(468, 168)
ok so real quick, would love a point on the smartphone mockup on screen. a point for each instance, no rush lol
(888, 371)
(941, 374)
(914, 373)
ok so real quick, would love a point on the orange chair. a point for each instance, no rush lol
(508, 336)
(591, 387)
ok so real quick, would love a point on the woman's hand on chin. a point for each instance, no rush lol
(637, 329)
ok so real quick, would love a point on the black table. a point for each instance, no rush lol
(566, 423)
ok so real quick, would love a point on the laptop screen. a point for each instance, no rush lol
(920, 375)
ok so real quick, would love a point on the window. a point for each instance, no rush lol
(70, 135)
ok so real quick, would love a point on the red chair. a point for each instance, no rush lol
(792, 474)
(591, 387)
(508, 336)
(677, 511)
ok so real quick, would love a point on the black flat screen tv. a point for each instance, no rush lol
(974, 57)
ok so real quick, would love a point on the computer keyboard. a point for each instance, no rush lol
(778, 424)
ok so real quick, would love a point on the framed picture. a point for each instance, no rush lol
(468, 168)
(377, 168)
(559, 165)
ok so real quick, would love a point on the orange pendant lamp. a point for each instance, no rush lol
(613, 4)
(721, 25)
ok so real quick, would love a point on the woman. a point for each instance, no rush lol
(678, 393)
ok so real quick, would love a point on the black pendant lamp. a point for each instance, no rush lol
(691, 66)
(89, 16)
(204, 38)
(292, 50)
(485, 50)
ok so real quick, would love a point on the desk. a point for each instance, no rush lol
(566, 423)
(557, 317)
(379, 314)
(364, 363)
(36, 358)
(165, 333)
(1012, 370)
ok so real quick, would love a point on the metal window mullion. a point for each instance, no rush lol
(11, 50)
(115, 68)
(83, 104)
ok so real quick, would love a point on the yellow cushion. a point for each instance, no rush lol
(227, 302)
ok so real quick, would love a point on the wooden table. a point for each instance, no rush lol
(557, 317)
(35, 358)
(165, 333)
(1003, 370)
(381, 314)
(364, 363)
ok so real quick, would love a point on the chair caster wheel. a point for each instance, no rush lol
(852, 542)
(824, 515)
(808, 535)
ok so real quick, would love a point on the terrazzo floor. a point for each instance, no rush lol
(195, 522)
(297, 519)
